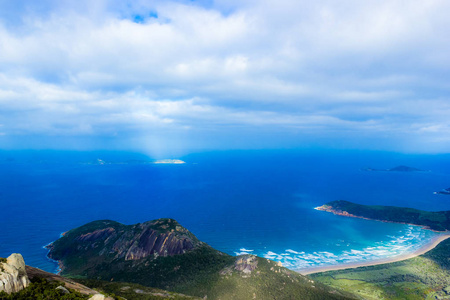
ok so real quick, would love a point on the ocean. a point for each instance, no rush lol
(259, 202)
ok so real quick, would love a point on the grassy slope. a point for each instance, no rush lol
(423, 277)
(435, 220)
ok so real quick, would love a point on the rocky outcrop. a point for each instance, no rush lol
(246, 263)
(109, 240)
(338, 212)
(13, 276)
(100, 234)
(152, 242)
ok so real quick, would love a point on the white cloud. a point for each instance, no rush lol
(349, 68)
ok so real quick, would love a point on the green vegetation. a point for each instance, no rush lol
(434, 220)
(132, 291)
(208, 272)
(218, 281)
(43, 289)
(99, 251)
(423, 277)
(178, 273)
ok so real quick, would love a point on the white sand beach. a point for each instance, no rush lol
(431, 245)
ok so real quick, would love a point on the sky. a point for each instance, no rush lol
(183, 76)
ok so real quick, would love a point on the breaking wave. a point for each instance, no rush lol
(408, 241)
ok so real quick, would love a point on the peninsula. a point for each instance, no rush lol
(438, 221)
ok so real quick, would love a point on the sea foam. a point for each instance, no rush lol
(406, 241)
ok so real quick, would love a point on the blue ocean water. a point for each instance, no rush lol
(257, 202)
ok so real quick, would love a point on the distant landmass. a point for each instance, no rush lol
(395, 169)
(163, 254)
(439, 221)
(169, 161)
(134, 161)
(443, 192)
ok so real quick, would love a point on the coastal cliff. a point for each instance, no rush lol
(438, 221)
(13, 276)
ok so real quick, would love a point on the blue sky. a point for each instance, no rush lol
(168, 76)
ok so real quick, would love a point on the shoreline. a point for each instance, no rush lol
(422, 250)
(60, 267)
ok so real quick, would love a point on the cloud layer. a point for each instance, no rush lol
(226, 74)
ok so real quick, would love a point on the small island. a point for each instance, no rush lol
(170, 161)
(395, 169)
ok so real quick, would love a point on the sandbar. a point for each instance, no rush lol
(422, 250)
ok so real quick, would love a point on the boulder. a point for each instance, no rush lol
(63, 289)
(13, 276)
